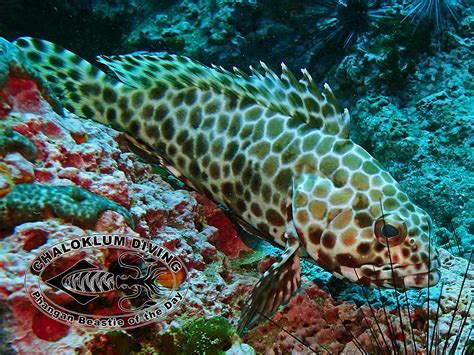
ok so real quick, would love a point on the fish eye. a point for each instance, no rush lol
(390, 232)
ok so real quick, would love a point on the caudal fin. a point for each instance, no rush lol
(81, 87)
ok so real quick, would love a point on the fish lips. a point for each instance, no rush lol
(412, 276)
(408, 276)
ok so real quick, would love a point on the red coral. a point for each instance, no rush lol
(73, 160)
(79, 137)
(24, 93)
(29, 128)
(209, 254)
(16, 86)
(227, 239)
(47, 328)
(34, 238)
(51, 129)
(311, 316)
(43, 175)
(171, 245)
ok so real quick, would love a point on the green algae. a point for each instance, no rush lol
(211, 336)
(247, 259)
(114, 342)
(34, 202)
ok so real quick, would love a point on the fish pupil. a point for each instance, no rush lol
(389, 231)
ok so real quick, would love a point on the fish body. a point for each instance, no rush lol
(273, 149)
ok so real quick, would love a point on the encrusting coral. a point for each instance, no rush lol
(21, 200)
(33, 202)
(11, 141)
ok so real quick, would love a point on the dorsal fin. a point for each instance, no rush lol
(299, 99)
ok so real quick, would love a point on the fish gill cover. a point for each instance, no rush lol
(403, 69)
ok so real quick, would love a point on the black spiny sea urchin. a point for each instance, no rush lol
(342, 22)
(436, 13)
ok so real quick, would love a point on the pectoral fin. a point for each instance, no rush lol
(276, 287)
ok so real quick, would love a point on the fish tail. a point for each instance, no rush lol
(80, 86)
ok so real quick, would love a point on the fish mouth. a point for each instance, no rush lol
(411, 276)
(423, 280)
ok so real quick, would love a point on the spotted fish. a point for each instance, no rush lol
(271, 148)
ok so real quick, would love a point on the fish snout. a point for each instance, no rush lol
(410, 276)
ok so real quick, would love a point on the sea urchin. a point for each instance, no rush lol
(343, 22)
(434, 12)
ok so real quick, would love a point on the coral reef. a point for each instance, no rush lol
(424, 142)
(19, 84)
(318, 323)
(235, 32)
(82, 159)
(222, 270)
(202, 29)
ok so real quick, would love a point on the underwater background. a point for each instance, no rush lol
(404, 70)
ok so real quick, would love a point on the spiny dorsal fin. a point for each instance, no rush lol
(285, 94)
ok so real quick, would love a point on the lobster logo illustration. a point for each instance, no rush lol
(85, 282)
